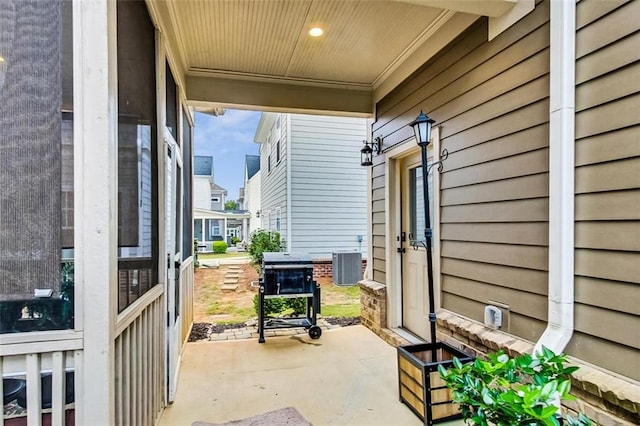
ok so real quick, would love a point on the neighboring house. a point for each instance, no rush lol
(218, 197)
(313, 189)
(535, 212)
(252, 201)
(210, 220)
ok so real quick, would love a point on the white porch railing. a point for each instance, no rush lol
(34, 356)
(187, 297)
(139, 361)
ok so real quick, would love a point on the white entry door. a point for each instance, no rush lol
(415, 295)
(173, 232)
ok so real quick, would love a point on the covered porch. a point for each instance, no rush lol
(348, 377)
(139, 71)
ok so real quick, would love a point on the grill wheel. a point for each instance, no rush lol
(315, 332)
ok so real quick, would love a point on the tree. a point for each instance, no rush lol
(231, 205)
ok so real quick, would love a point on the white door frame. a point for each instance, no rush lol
(172, 341)
(393, 226)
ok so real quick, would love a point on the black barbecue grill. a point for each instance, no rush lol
(289, 275)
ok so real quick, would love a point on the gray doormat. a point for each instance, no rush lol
(283, 416)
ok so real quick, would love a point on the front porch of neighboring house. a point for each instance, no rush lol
(96, 179)
(210, 226)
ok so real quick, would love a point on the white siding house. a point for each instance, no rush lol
(211, 222)
(273, 170)
(313, 187)
(252, 185)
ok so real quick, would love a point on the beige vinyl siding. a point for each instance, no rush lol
(273, 185)
(491, 99)
(378, 220)
(328, 185)
(607, 203)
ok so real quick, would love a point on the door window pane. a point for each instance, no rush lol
(172, 104)
(187, 208)
(416, 203)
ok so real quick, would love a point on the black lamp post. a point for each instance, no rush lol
(422, 130)
(423, 360)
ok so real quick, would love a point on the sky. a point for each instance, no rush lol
(227, 138)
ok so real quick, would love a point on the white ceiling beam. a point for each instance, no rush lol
(491, 8)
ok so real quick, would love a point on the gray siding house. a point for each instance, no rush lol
(313, 187)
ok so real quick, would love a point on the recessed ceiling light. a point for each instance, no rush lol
(1, 58)
(316, 32)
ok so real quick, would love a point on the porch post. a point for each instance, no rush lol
(95, 151)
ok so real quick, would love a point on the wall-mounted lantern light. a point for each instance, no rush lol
(366, 153)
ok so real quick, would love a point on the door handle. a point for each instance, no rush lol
(401, 250)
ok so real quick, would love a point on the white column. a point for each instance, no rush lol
(95, 152)
(245, 230)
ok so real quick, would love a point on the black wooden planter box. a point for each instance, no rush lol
(419, 382)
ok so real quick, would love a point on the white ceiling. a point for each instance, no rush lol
(362, 39)
(365, 42)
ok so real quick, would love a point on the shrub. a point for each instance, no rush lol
(219, 247)
(262, 241)
(271, 306)
(505, 391)
(235, 240)
(297, 304)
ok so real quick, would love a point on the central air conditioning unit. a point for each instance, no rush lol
(347, 267)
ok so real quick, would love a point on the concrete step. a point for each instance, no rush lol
(229, 287)
(237, 267)
(230, 281)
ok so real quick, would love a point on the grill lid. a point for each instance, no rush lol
(278, 259)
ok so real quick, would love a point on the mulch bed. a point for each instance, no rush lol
(202, 330)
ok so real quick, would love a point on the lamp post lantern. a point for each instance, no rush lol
(422, 129)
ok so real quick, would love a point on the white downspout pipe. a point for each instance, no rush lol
(561, 177)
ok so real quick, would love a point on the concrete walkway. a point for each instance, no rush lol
(347, 377)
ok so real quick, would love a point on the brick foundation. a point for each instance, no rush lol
(373, 312)
(324, 267)
(603, 397)
(373, 305)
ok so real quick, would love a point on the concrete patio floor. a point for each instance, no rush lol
(347, 377)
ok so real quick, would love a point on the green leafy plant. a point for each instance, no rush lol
(219, 247)
(297, 304)
(235, 240)
(262, 241)
(271, 306)
(503, 391)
